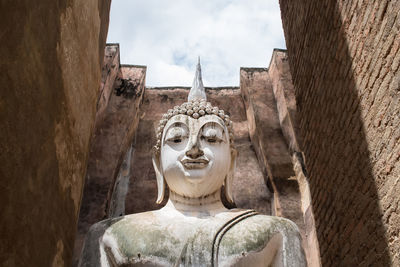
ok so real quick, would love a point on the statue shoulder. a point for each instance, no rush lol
(253, 233)
(264, 225)
(146, 238)
(100, 232)
(276, 224)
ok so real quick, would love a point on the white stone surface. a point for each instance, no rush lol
(197, 91)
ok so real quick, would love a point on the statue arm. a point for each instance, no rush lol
(281, 244)
(290, 253)
(270, 255)
(96, 249)
(109, 253)
(282, 250)
(104, 255)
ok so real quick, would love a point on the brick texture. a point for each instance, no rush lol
(344, 59)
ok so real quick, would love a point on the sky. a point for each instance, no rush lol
(168, 36)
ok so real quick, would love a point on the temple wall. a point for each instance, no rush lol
(271, 113)
(343, 116)
(281, 79)
(116, 125)
(344, 59)
(50, 73)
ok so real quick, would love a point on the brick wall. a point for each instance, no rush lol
(344, 58)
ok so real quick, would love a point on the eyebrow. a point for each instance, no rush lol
(213, 123)
(175, 125)
(178, 121)
(182, 122)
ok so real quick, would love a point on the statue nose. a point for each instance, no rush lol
(194, 151)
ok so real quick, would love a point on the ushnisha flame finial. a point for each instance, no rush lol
(197, 91)
(196, 107)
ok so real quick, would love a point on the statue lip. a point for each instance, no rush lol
(197, 163)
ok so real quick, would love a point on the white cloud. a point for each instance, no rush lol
(167, 37)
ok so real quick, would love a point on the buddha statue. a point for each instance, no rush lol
(194, 158)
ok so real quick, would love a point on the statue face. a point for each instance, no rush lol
(195, 154)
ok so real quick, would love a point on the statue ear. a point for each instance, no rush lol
(229, 177)
(160, 177)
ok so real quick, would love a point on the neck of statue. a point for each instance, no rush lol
(208, 205)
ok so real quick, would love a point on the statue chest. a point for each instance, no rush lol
(190, 242)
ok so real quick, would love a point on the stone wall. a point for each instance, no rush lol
(117, 120)
(344, 58)
(281, 79)
(50, 72)
(271, 113)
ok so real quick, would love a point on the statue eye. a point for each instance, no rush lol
(212, 134)
(175, 138)
(176, 135)
(210, 139)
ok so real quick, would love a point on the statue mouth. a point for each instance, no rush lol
(195, 163)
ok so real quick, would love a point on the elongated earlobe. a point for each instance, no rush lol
(228, 189)
(160, 178)
(229, 178)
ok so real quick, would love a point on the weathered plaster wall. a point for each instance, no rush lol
(267, 136)
(50, 72)
(282, 86)
(110, 71)
(265, 130)
(116, 125)
(344, 58)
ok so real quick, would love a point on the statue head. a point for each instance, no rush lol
(194, 153)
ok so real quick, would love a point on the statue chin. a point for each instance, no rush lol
(194, 177)
(194, 182)
(195, 174)
(194, 186)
